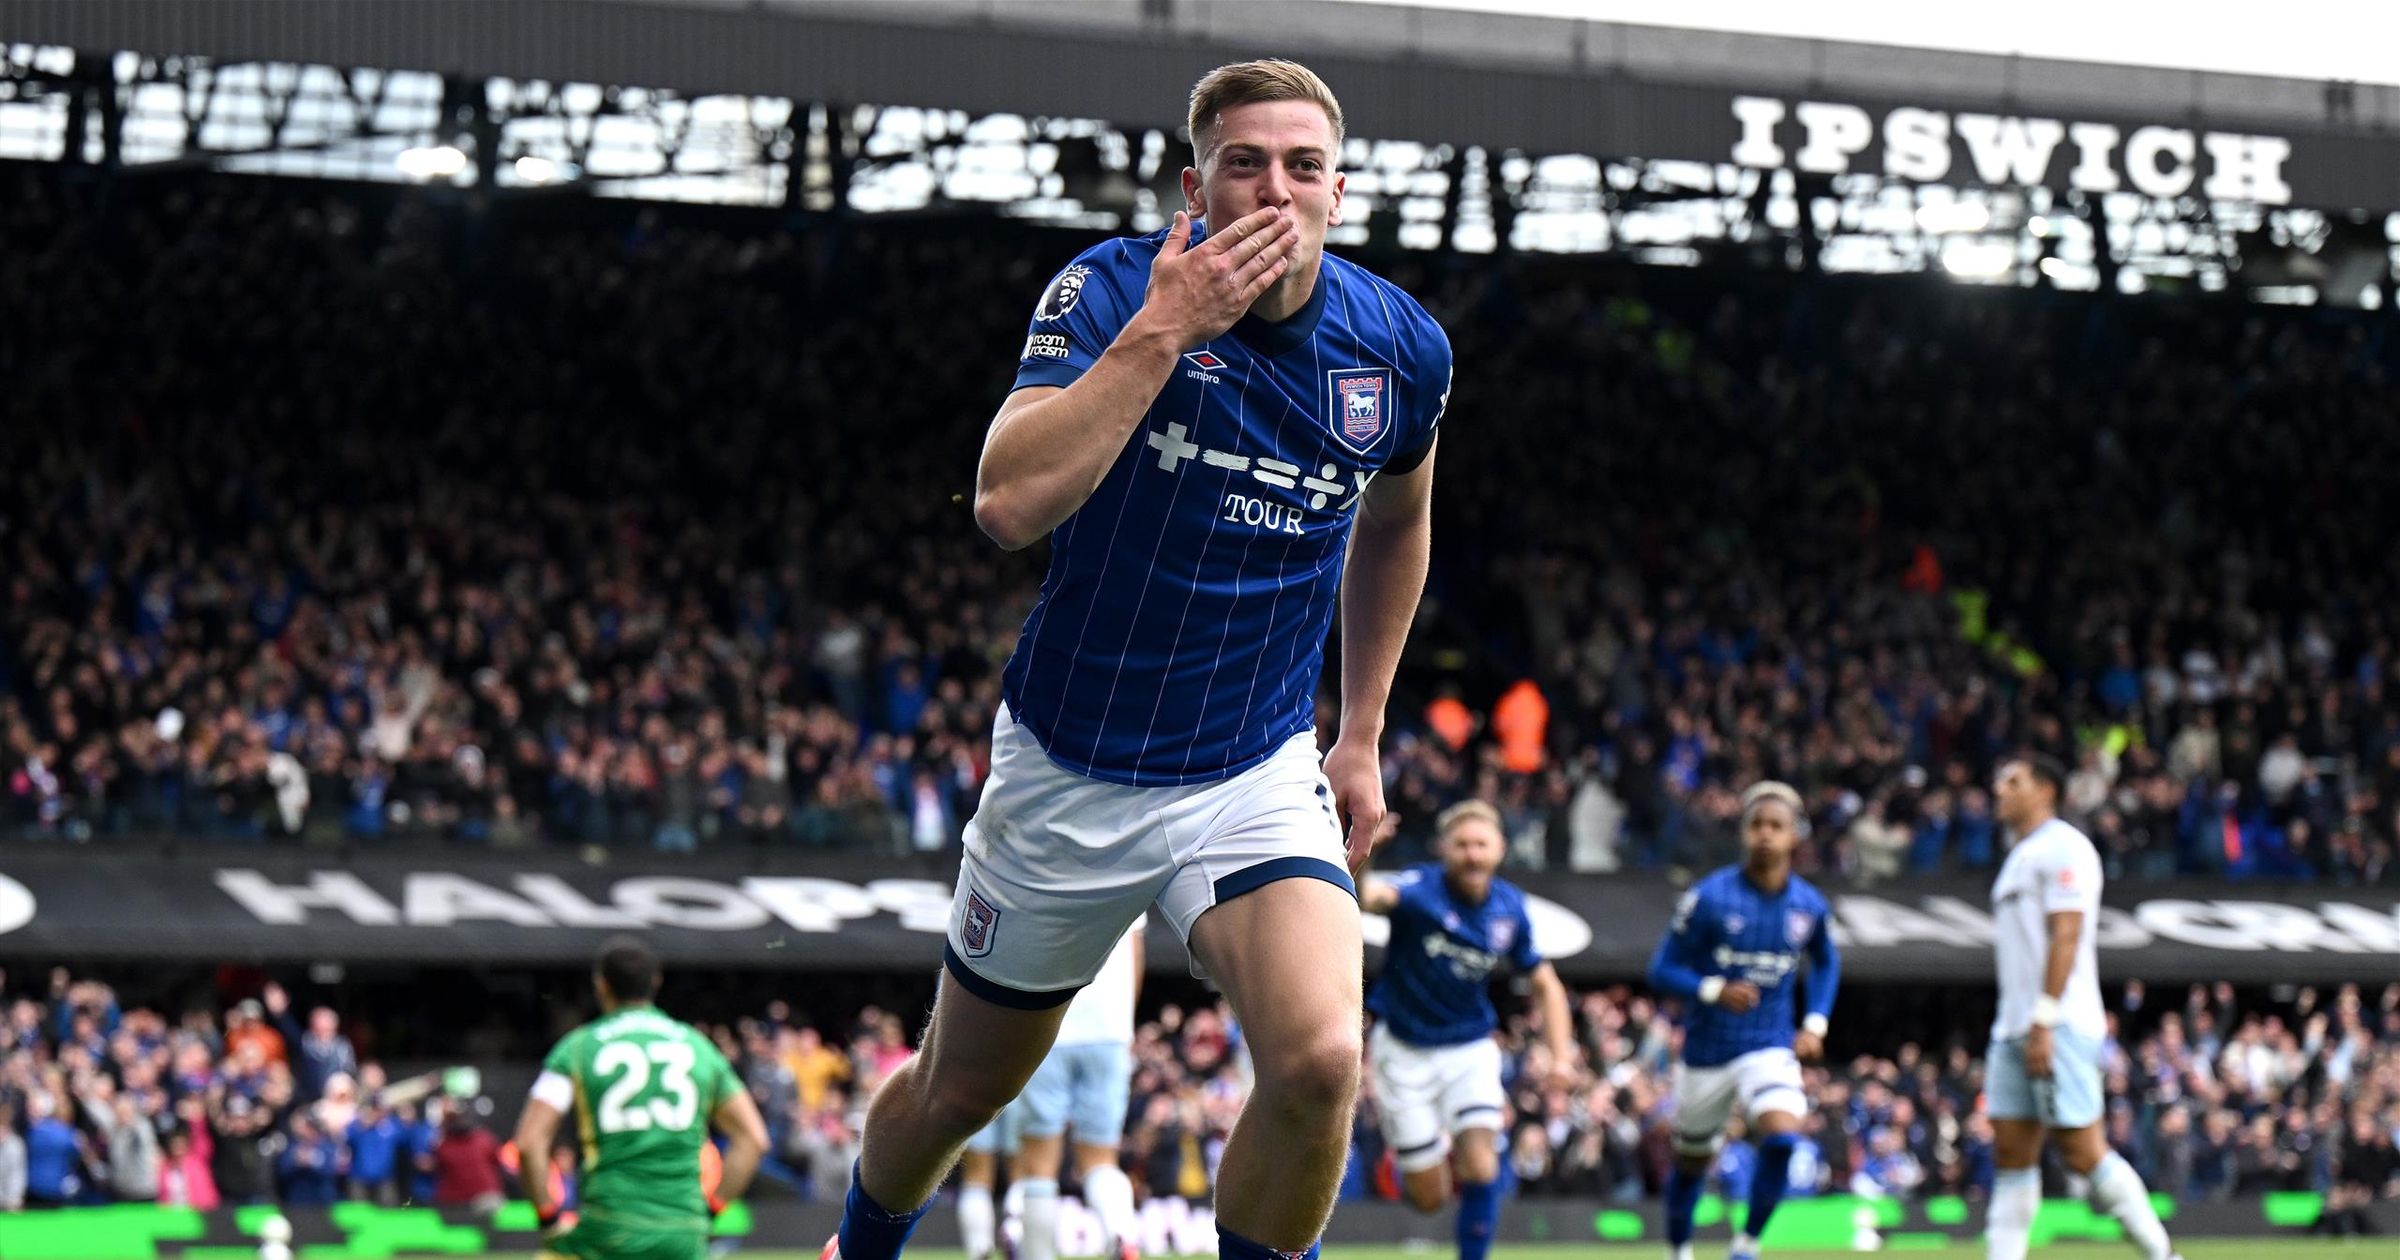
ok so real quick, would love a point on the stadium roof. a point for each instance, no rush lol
(1470, 129)
(1425, 72)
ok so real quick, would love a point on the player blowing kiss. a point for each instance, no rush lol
(1733, 952)
(1227, 436)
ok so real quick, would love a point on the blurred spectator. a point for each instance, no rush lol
(250, 1039)
(243, 1143)
(2370, 1171)
(132, 1144)
(467, 1164)
(13, 1170)
(53, 1155)
(377, 1141)
(815, 1067)
(311, 1165)
(184, 1178)
(324, 1052)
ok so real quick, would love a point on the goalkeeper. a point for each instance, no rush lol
(644, 1090)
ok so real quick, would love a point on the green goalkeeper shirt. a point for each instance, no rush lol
(641, 1088)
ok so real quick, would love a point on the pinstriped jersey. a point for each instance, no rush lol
(1726, 926)
(1437, 970)
(1180, 633)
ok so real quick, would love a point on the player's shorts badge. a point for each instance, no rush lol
(1358, 405)
(1797, 924)
(981, 924)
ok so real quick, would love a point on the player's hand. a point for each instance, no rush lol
(1199, 291)
(1807, 1046)
(2037, 1053)
(1738, 996)
(1356, 773)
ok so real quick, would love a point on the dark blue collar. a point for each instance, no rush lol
(1274, 337)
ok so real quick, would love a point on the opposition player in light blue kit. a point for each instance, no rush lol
(1226, 435)
(1435, 1065)
(2042, 1073)
(992, 1152)
(1734, 953)
(1085, 1083)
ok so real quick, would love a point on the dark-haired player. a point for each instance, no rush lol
(1734, 954)
(644, 1090)
(2042, 1074)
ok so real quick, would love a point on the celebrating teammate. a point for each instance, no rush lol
(1226, 435)
(644, 1090)
(1437, 1069)
(1732, 952)
(2043, 1069)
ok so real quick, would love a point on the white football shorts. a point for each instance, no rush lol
(1059, 864)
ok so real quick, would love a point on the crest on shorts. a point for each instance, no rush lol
(980, 924)
(1358, 405)
(1797, 925)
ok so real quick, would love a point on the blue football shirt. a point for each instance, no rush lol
(1438, 965)
(1725, 926)
(1180, 633)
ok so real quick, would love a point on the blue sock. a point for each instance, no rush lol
(1683, 1198)
(1478, 1218)
(871, 1231)
(1232, 1246)
(1766, 1188)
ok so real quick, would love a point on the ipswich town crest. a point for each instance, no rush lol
(1359, 405)
(980, 925)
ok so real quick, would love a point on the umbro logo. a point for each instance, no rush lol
(1208, 364)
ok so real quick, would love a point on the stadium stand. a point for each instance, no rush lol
(346, 517)
(2210, 1096)
(336, 517)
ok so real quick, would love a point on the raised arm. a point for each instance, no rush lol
(1049, 447)
(1378, 896)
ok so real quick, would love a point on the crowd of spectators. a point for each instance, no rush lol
(2211, 1094)
(102, 1104)
(2212, 1098)
(2209, 1098)
(341, 516)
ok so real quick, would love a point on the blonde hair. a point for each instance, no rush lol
(1467, 812)
(1772, 790)
(1249, 82)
